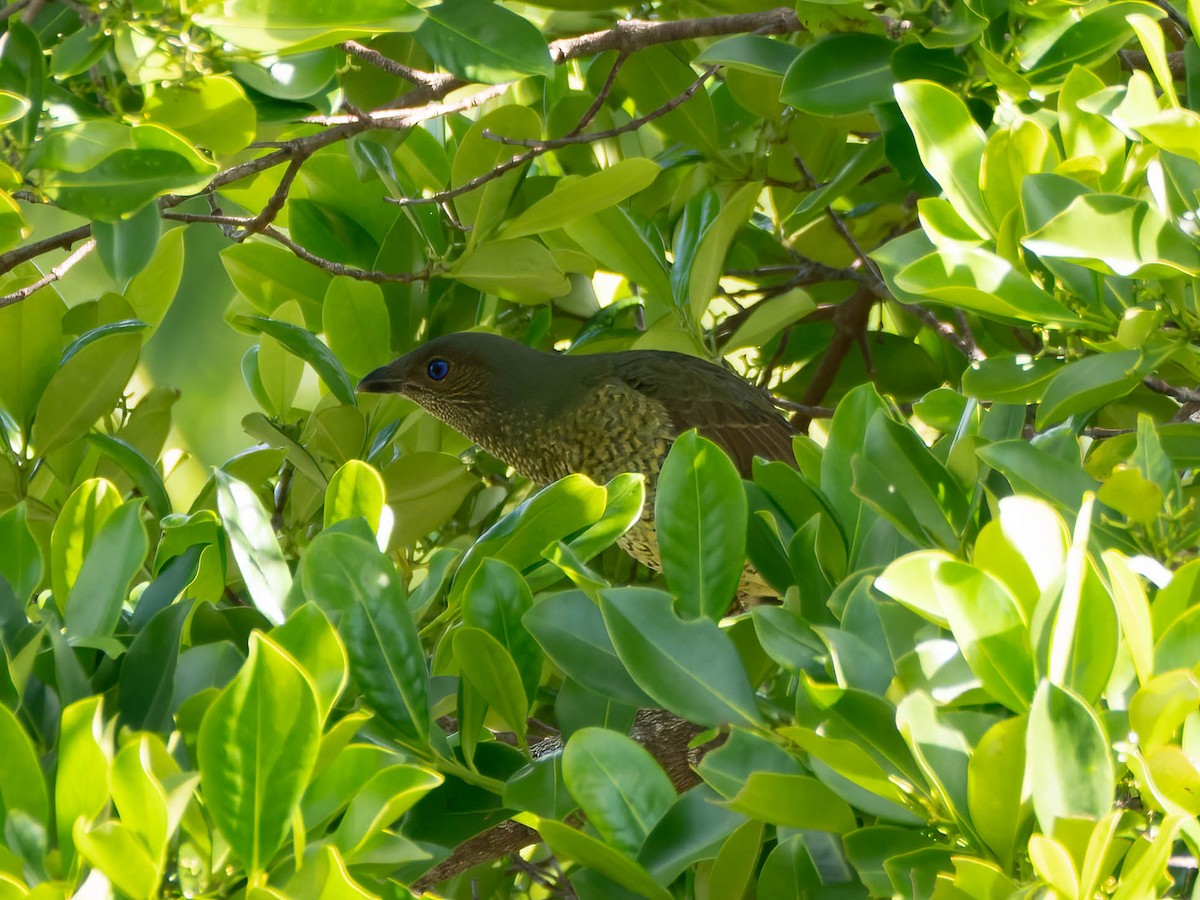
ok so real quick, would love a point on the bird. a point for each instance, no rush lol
(549, 415)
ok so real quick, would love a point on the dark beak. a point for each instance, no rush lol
(384, 380)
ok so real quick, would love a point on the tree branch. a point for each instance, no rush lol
(13, 258)
(631, 35)
(1183, 395)
(50, 277)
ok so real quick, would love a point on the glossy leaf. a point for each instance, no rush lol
(690, 667)
(1068, 765)
(257, 746)
(618, 785)
(700, 519)
(255, 547)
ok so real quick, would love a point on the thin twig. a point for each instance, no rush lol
(50, 277)
(428, 80)
(601, 96)
(278, 199)
(539, 147)
(631, 35)
(12, 9)
(337, 268)
(1183, 395)
(13, 258)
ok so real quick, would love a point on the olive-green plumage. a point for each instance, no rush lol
(549, 415)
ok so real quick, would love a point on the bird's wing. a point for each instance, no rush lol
(736, 416)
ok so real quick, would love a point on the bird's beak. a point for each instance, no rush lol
(384, 380)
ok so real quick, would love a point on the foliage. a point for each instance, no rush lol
(959, 238)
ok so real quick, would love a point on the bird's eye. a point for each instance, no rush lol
(438, 369)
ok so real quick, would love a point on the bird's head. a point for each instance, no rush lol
(467, 380)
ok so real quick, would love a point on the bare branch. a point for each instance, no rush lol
(13, 258)
(538, 147)
(431, 81)
(12, 9)
(275, 204)
(631, 35)
(1183, 395)
(50, 277)
(601, 96)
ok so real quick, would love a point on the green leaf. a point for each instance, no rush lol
(736, 861)
(258, 555)
(598, 856)
(1030, 469)
(355, 319)
(496, 599)
(795, 801)
(23, 71)
(117, 552)
(1068, 765)
(81, 518)
(122, 174)
(257, 746)
(900, 478)
(81, 786)
(312, 642)
(86, 387)
(490, 669)
(1088, 41)
(30, 343)
(357, 586)
(573, 199)
(147, 478)
(305, 345)
(127, 245)
(709, 261)
(700, 520)
(751, 53)
(268, 275)
(617, 244)
(211, 111)
(355, 490)
(690, 831)
(618, 785)
(951, 147)
(116, 851)
(942, 752)
(691, 667)
(22, 785)
(654, 77)
(423, 490)
(840, 74)
(484, 208)
(976, 280)
(13, 107)
(552, 514)
(520, 270)
(389, 794)
(482, 42)
(990, 628)
(272, 26)
(147, 684)
(1116, 235)
(995, 794)
(21, 563)
(570, 629)
(1161, 706)
(141, 799)
(1010, 379)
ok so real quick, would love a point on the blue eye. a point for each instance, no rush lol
(438, 369)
